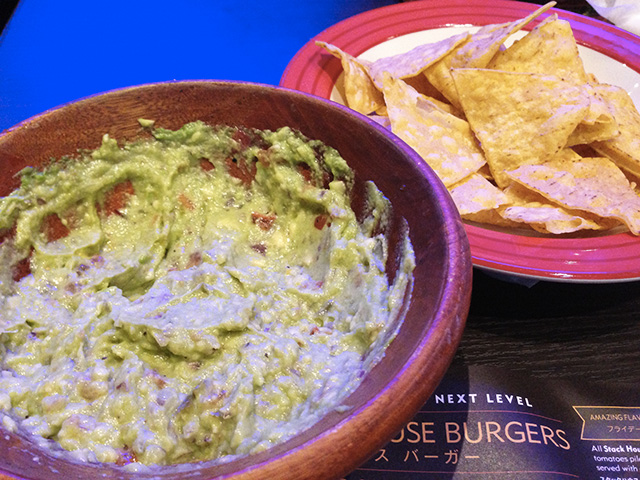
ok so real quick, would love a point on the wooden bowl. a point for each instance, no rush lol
(417, 358)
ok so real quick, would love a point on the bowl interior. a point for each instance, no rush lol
(414, 362)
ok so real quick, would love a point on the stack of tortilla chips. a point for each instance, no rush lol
(522, 136)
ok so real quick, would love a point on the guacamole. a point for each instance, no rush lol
(196, 295)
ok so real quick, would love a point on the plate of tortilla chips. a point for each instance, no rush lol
(528, 114)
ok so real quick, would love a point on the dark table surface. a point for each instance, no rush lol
(584, 331)
(53, 52)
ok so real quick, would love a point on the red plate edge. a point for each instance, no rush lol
(610, 258)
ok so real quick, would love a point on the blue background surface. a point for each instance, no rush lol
(55, 52)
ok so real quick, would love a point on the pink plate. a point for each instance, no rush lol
(611, 54)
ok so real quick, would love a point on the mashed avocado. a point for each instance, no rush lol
(201, 294)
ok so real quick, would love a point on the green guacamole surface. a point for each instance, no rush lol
(201, 294)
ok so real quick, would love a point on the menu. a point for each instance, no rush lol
(489, 423)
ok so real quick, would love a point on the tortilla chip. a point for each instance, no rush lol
(483, 114)
(422, 85)
(382, 120)
(520, 194)
(586, 133)
(492, 218)
(360, 92)
(519, 118)
(444, 141)
(624, 149)
(599, 111)
(476, 52)
(594, 185)
(550, 48)
(530, 207)
(486, 172)
(598, 125)
(547, 219)
(382, 111)
(566, 155)
(445, 107)
(633, 179)
(415, 61)
(475, 193)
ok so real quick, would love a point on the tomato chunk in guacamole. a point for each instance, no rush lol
(201, 294)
